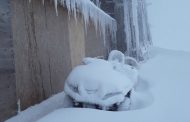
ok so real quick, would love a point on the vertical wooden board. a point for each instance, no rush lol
(7, 78)
(119, 16)
(53, 43)
(21, 49)
(77, 40)
(7, 95)
(94, 43)
(58, 46)
(42, 52)
(41, 35)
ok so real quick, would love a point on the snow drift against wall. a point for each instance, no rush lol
(103, 22)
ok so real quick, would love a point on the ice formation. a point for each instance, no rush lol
(97, 2)
(137, 31)
(103, 22)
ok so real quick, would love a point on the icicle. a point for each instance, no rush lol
(127, 26)
(102, 21)
(43, 2)
(138, 40)
(55, 4)
(136, 25)
(18, 107)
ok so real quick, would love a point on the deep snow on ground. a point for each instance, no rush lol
(161, 96)
(170, 23)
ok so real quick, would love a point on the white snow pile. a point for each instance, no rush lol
(97, 81)
(34, 113)
(101, 82)
(124, 64)
(165, 82)
(103, 22)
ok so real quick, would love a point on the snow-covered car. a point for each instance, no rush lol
(101, 84)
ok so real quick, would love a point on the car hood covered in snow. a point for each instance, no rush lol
(98, 82)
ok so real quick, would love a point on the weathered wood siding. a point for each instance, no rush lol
(7, 77)
(77, 40)
(47, 47)
(41, 43)
(94, 43)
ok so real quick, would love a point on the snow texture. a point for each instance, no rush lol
(124, 64)
(160, 96)
(36, 112)
(99, 82)
(103, 22)
(117, 56)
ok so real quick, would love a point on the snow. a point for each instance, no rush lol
(117, 56)
(99, 82)
(170, 23)
(36, 112)
(160, 96)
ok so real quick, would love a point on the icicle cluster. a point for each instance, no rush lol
(138, 39)
(97, 2)
(102, 21)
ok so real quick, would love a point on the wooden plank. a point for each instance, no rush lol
(58, 46)
(47, 47)
(77, 40)
(42, 55)
(94, 43)
(7, 77)
(8, 95)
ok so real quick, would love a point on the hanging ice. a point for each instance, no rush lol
(137, 31)
(102, 21)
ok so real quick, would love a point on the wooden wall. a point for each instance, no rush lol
(47, 47)
(94, 43)
(7, 77)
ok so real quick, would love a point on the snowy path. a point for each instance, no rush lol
(167, 79)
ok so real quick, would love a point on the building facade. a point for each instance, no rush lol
(38, 49)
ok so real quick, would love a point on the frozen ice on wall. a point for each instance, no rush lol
(97, 2)
(103, 22)
(138, 38)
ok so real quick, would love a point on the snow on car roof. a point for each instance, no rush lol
(100, 77)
